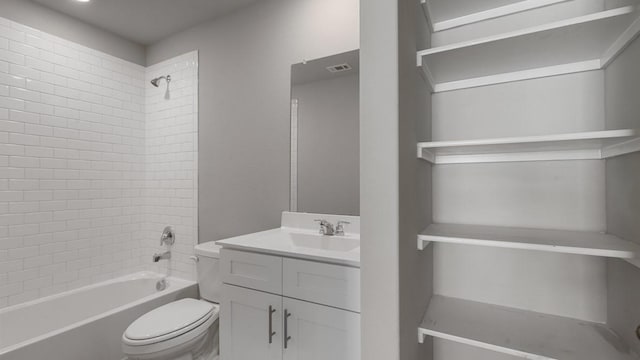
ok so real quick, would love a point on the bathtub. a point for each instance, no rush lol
(86, 323)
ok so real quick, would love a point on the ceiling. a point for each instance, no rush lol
(145, 21)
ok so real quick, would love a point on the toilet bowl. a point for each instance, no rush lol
(185, 329)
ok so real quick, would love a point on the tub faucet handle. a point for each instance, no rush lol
(168, 236)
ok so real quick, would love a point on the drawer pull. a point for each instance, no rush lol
(286, 328)
(271, 332)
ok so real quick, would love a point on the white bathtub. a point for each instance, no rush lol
(86, 323)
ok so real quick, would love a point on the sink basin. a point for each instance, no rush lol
(320, 242)
(300, 243)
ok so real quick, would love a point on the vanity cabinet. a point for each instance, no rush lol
(288, 309)
(248, 329)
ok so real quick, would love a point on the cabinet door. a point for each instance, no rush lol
(320, 332)
(250, 325)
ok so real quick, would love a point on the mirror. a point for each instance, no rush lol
(325, 135)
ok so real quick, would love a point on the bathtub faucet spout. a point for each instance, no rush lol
(164, 256)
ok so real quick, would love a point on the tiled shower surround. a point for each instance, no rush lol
(94, 162)
(171, 160)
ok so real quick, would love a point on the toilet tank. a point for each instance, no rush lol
(208, 269)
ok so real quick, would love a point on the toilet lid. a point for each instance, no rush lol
(169, 318)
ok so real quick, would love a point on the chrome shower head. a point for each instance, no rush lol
(155, 81)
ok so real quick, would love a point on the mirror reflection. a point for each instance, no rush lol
(325, 169)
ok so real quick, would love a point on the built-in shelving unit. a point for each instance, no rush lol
(579, 44)
(595, 145)
(560, 241)
(520, 333)
(448, 14)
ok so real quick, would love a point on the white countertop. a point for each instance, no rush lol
(301, 244)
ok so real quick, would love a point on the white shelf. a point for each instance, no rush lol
(519, 333)
(560, 241)
(447, 14)
(594, 145)
(584, 43)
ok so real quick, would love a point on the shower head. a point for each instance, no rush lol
(155, 81)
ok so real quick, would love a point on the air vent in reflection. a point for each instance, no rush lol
(339, 68)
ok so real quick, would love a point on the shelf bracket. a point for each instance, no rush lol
(423, 244)
(621, 43)
(421, 336)
(425, 154)
(626, 147)
(426, 9)
(426, 75)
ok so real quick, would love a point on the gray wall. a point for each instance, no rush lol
(379, 221)
(55, 23)
(395, 187)
(328, 146)
(245, 65)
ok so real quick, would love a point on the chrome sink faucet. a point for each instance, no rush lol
(326, 228)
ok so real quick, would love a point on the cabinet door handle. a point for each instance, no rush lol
(271, 332)
(286, 328)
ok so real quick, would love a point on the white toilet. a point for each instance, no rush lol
(185, 329)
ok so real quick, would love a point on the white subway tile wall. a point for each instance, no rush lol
(171, 175)
(86, 144)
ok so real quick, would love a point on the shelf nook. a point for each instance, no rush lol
(594, 145)
(584, 43)
(578, 44)
(559, 241)
(448, 14)
(520, 333)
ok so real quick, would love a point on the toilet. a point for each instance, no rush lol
(185, 329)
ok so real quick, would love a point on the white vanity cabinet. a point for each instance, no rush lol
(250, 324)
(290, 309)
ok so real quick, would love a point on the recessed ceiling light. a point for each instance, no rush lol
(83, 1)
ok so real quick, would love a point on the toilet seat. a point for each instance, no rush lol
(169, 326)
